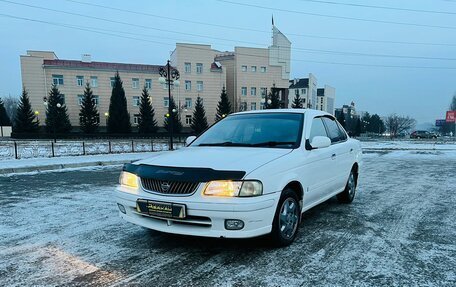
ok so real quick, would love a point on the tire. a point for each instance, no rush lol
(349, 192)
(286, 220)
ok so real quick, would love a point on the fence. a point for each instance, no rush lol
(40, 149)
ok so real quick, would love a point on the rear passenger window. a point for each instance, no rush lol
(317, 129)
(335, 133)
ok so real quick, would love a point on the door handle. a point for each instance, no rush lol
(333, 156)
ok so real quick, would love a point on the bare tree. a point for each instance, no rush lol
(399, 124)
(11, 103)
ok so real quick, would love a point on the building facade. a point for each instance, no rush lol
(252, 72)
(200, 75)
(306, 88)
(326, 98)
(247, 73)
(41, 69)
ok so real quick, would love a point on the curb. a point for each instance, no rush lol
(60, 166)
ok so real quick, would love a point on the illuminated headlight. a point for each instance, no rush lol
(228, 188)
(128, 179)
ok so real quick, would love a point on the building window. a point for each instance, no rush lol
(199, 68)
(252, 106)
(243, 106)
(136, 119)
(80, 81)
(244, 91)
(113, 80)
(303, 91)
(321, 100)
(253, 91)
(263, 69)
(136, 101)
(188, 103)
(188, 85)
(80, 99)
(244, 68)
(148, 84)
(188, 119)
(94, 81)
(166, 102)
(253, 68)
(188, 67)
(263, 92)
(57, 80)
(199, 86)
(135, 83)
(96, 99)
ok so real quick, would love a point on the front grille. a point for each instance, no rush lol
(169, 187)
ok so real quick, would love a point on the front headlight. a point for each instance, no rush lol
(128, 179)
(228, 188)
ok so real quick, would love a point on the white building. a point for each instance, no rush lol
(306, 88)
(326, 98)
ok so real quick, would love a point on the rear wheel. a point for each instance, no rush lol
(348, 194)
(286, 219)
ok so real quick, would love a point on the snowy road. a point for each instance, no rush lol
(62, 228)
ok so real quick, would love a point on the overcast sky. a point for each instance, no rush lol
(379, 75)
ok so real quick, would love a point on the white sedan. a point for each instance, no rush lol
(252, 173)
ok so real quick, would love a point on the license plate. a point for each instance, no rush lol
(161, 209)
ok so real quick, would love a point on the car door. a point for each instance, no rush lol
(341, 154)
(319, 166)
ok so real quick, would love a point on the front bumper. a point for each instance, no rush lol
(205, 215)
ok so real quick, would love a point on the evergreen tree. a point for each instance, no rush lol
(177, 125)
(453, 103)
(341, 120)
(57, 120)
(25, 120)
(89, 117)
(147, 123)
(376, 124)
(119, 118)
(358, 127)
(223, 106)
(297, 102)
(199, 120)
(274, 98)
(4, 119)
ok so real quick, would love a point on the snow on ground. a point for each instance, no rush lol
(408, 145)
(63, 229)
(68, 160)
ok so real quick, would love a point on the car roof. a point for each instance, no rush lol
(311, 112)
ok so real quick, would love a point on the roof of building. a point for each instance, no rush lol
(321, 92)
(102, 65)
(301, 83)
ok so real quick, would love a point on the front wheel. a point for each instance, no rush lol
(348, 194)
(286, 219)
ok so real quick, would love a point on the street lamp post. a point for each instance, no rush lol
(106, 119)
(169, 76)
(59, 105)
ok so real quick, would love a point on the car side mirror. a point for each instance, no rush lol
(189, 140)
(320, 142)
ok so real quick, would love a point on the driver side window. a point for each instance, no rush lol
(317, 129)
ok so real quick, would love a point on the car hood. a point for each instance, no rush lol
(218, 158)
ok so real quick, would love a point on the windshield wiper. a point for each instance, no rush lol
(224, 144)
(273, 143)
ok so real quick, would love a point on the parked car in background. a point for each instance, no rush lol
(423, 135)
(250, 174)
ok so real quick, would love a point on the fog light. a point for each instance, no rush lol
(121, 208)
(234, 224)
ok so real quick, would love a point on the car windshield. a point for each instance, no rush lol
(278, 130)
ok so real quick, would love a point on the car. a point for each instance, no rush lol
(423, 135)
(251, 174)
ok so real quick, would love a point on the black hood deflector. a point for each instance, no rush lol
(186, 174)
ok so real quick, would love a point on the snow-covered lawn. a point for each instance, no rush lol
(62, 229)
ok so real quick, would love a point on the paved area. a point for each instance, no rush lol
(62, 229)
